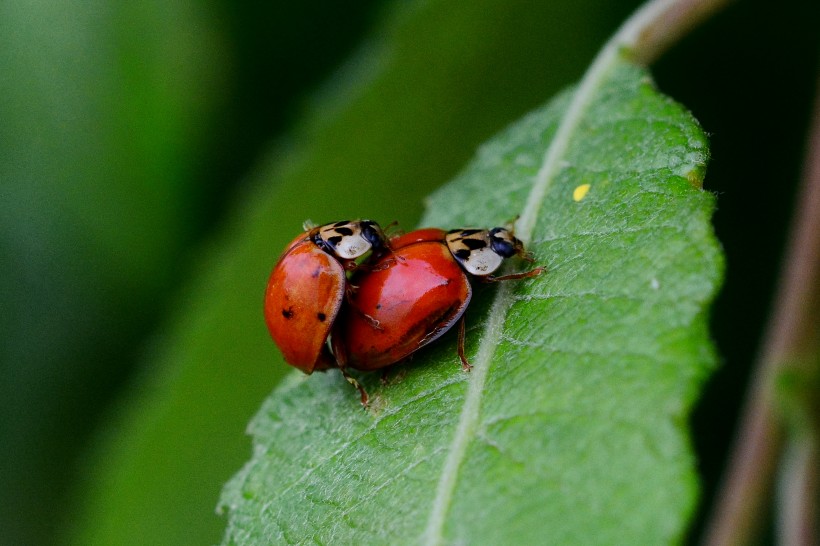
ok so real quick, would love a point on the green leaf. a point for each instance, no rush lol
(162, 458)
(571, 426)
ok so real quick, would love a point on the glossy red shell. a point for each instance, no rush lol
(302, 300)
(418, 236)
(411, 297)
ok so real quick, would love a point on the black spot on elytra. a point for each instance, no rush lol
(474, 244)
(462, 253)
(321, 316)
(344, 231)
(287, 313)
(316, 273)
(378, 306)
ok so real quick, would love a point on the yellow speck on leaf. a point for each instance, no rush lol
(580, 192)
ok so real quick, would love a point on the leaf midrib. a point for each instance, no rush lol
(623, 40)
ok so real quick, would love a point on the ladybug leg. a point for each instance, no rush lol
(350, 291)
(526, 256)
(523, 275)
(462, 334)
(340, 352)
(384, 262)
(325, 361)
(352, 380)
(375, 324)
(351, 295)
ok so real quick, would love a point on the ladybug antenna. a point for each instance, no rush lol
(510, 224)
(393, 229)
(308, 225)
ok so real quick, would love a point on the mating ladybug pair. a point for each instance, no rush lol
(344, 295)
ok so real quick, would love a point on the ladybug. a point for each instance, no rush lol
(308, 285)
(410, 299)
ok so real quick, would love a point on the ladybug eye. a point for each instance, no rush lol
(503, 248)
(503, 243)
(372, 233)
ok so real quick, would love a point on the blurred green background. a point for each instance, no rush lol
(155, 158)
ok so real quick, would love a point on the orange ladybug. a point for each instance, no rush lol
(307, 287)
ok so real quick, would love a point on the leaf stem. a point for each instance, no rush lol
(663, 24)
(791, 336)
(797, 495)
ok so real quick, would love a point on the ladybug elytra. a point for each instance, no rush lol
(307, 287)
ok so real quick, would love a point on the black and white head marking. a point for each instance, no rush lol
(473, 251)
(480, 251)
(348, 239)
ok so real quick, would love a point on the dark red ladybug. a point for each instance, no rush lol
(410, 298)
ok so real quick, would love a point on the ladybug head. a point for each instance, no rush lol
(348, 240)
(481, 251)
